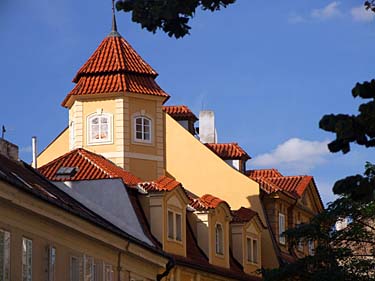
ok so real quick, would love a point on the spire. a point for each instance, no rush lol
(114, 24)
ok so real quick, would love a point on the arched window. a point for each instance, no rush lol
(219, 235)
(99, 128)
(142, 129)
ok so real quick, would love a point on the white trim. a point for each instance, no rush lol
(174, 219)
(27, 258)
(142, 140)
(89, 141)
(250, 255)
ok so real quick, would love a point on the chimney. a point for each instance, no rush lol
(8, 149)
(34, 151)
(207, 130)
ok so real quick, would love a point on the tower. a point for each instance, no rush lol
(115, 108)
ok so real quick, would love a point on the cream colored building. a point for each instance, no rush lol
(197, 202)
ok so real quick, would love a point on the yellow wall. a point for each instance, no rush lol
(201, 171)
(46, 225)
(173, 201)
(219, 216)
(56, 148)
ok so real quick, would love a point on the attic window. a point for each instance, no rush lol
(66, 172)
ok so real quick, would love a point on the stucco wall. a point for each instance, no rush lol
(201, 171)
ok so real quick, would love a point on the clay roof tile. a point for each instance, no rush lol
(228, 150)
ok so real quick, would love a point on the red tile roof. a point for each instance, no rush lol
(90, 166)
(23, 177)
(206, 202)
(163, 183)
(264, 173)
(228, 150)
(115, 67)
(180, 112)
(271, 180)
(243, 215)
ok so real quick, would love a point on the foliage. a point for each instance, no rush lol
(346, 254)
(172, 16)
(353, 128)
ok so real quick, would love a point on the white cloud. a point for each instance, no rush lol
(360, 14)
(26, 149)
(296, 155)
(332, 10)
(294, 19)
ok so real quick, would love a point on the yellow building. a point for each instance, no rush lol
(45, 234)
(192, 197)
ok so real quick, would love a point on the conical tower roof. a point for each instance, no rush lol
(115, 67)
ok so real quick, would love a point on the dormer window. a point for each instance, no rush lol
(142, 129)
(281, 228)
(219, 237)
(174, 226)
(99, 128)
(252, 250)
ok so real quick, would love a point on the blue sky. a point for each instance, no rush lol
(269, 70)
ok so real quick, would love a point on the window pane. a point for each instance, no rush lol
(94, 132)
(95, 120)
(104, 120)
(146, 136)
(138, 128)
(104, 131)
(219, 239)
(74, 269)
(248, 249)
(281, 228)
(4, 255)
(146, 129)
(255, 251)
(51, 263)
(138, 121)
(170, 225)
(146, 122)
(139, 135)
(178, 227)
(26, 259)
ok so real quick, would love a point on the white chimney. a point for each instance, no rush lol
(207, 130)
(33, 143)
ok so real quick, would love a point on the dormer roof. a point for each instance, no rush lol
(180, 112)
(206, 202)
(228, 151)
(88, 166)
(163, 183)
(271, 180)
(244, 215)
(115, 67)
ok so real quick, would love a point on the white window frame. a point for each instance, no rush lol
(90, 140)
(282, 239)
(142, 139)
(252, 253)
(219, 240)
(173, 229)
(5, 249)
(51, 263)
(78, 260)
(88, 268)
(311, 247)
(27, 259)
(72, 137)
